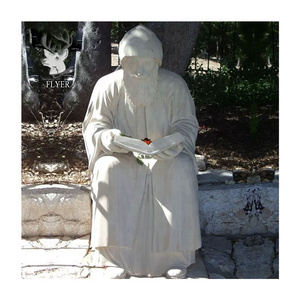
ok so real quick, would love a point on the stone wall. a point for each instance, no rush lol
(231, 210)
(239, 222)
(253, 257)
(240, 226)
(238, 210)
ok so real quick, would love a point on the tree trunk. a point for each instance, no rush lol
(30, 100)
(178, 39)
(93, 62)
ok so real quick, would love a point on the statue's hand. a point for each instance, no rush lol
(169, 153)
(107, 145)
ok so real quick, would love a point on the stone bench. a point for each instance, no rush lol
(55, 211)
(239, 210)
(58, 218)
(225, 209)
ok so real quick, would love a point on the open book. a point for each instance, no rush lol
(136, 145)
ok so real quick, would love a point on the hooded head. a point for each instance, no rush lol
(141, 42)
(140, 54)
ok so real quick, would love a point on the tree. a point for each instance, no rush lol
(30, 99)
(254, 45)
(93, 62)
(178, 39)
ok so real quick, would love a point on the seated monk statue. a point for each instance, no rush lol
(145, 217)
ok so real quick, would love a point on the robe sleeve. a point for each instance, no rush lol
(183, 118)
(99, 117)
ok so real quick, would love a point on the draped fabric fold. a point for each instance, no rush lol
(142, 211)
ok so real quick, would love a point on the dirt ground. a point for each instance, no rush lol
(56, 154)
(227, 142)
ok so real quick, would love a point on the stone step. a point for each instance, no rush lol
(214, 176)
(233, 210)
(53, 258)
(53, 272)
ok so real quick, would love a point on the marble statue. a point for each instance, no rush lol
(145, 211)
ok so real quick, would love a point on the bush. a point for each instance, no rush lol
(234, 87)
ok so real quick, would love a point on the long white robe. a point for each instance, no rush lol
(145, 219)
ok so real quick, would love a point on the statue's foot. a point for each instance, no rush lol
(176, 273)
(115, 273)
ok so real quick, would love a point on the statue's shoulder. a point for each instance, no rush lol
(171, 80)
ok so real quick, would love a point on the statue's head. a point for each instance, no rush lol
(140, 54)
(141, 42)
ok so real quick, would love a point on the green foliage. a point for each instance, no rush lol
(216, 39)
(230, 87)
(234, 87)
(254, 45)
(253, 121)
(52, 27)
(118, 29)
(208, 88)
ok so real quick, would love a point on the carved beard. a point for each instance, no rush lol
(141, 92)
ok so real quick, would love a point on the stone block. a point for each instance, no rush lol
(197, 270)
(217, 242)
(55, 211)
(222, 209)
(56, 243)
(276, 176)
(62, 256)
(215, 276)
(218, 262)
(200, 159)
(214, 176)
(253, 258)
(276, 265)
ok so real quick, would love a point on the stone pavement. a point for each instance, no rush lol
(254, 257)
(55, 259)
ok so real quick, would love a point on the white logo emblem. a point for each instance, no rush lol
(56, 51)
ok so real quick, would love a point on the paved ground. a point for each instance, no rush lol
(55, 259)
